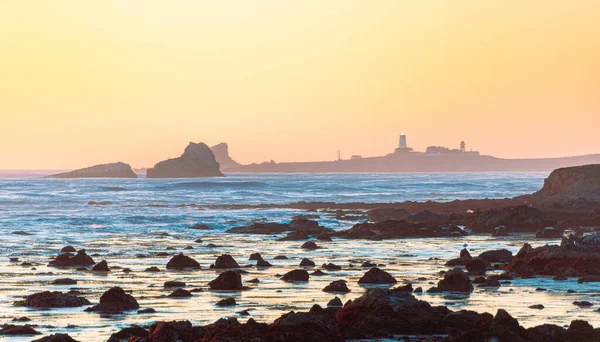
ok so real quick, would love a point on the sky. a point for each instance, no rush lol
(90, 82)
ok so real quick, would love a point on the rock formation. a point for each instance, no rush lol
(221, 152)
(196, 161)
(578, 181)
(113, 170)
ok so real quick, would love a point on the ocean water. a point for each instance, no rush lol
(146, 216)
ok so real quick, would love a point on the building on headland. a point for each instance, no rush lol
(434, 151)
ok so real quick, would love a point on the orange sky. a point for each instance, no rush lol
(88, 82)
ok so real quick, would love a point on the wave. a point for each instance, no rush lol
(212, 185)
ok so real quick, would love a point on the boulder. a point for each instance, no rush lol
(226, 261)
(115, 300)
(335, 303)
(309, 245)
(227, 302)
(377, 276)
(307, 263)
(55, 299)
(455, 280)
(180, 293)
(228, 281)
(102, 266)
(56, 338)
(255, 256)
(462, 260)
(81, 259)
(196, 161)
(337, 286)
(64, 281)
(548, 233)
(17, 330)
(263, 263)
(181, 261)
(113, 170)
(295, 275)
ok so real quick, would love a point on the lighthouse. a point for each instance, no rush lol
(403, 144)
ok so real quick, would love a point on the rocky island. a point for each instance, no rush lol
(196, 161)
(221, 152)
(112, 170)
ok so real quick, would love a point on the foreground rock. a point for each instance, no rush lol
(114, 170)
(295, 275)
(226, 261)
(115, 300)
(17, 330)
(55, 299)
(455, 280)
(56, 338)
(196, 161)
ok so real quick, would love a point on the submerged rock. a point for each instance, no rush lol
(114, 170)
(196, 161)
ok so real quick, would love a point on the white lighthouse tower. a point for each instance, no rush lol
(403, 144)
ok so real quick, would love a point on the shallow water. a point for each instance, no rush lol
(57, 214)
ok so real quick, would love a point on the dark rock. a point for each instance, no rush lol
(554, 261)
(64, 281)
(455, 280)
(228, 280)
(462, 260)
(21, 319)
(254, 281)
(102, 266)
(280, 257)
(490, 282)
(318, 273)
(146, 311)
(79, 259)
(115, 300)
(196, 161)
(174, 283)
(151, 269)
(130, 332)
(17, 330)
(309, 245)
(583, 303)
(499, 255)
(68, 249)
(519, 219)
(198, 226)
(181, 261)
(180, 293)
(548, 233)
(56, 338)
(255, 256)
(476, 266)
(377, 276)
(335, 302)
(55, 299)
(536, 307)
(295, 275)
(331, 267)
(405, 288)
(337, 286)
(263, 263)
(307, 263)
(226, 261)
(227, 302)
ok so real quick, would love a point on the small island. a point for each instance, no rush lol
(111, 170)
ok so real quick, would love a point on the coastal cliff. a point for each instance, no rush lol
(221, 152)
(196, 161)
(579, 181)
(112, 170)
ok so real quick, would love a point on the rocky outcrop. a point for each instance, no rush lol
(181, 261)
(395, 229)
(301, 228)
(578, 181)
(228, 281)
(377, 276)
(196, 161)
(221, 152)
(567, 260)
(113, 170)
(49, 299)
(69, 260)
(515, 219)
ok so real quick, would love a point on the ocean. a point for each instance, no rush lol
(145, 216)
